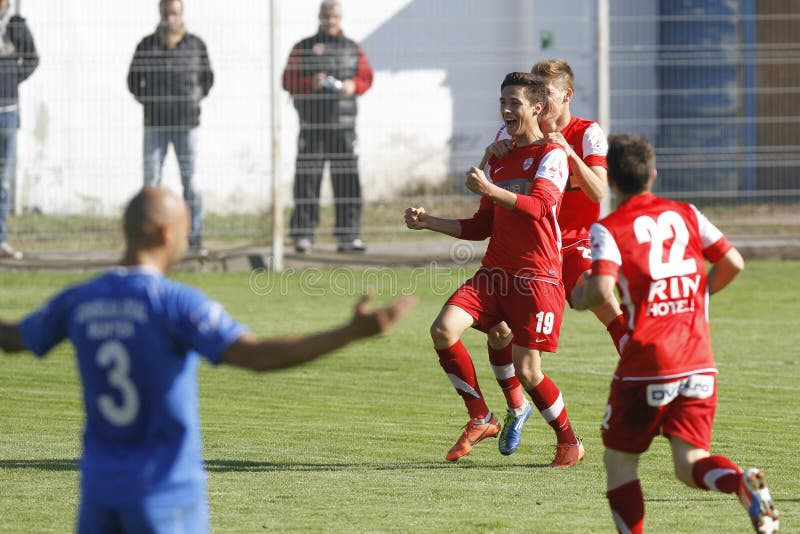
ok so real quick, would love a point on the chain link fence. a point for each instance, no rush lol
(712, 84)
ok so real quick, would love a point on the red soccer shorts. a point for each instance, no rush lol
(577, 259)
(638, 411)
(533, 308)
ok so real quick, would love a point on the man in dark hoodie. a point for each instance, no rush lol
(325, 73)
(18, 60)
(169, 74)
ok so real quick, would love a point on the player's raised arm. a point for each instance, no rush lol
(10, 338)
(419, 219)
(279, 353)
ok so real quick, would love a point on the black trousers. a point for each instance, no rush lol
(314, 148)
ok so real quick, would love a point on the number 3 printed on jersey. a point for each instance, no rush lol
(668, 226)
(114, 356)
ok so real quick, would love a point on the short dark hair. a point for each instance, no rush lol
(631, 161)
(534, 86)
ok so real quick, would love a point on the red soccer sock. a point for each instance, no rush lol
(627, 507)
(503, 367)
(620, 334)
(456, 362)
(717, 473)
(548, 400)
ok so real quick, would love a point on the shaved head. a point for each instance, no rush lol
(156, 217)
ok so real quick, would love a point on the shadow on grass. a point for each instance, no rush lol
(226, 466)
(46, 464)
(232, 466)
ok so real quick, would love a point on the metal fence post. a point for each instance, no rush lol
(603, 82)
(275, 116)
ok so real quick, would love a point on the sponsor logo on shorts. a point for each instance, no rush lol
(694, 386)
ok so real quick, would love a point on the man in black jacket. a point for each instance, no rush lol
(169, 75)
(18, 60)
(324, 74)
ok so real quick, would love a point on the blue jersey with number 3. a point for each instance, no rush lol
(138, 337)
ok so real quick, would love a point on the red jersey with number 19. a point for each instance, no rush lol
(525, 241)
(656, 249)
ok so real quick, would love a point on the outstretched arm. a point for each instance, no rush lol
(419, 219)
(11, 337)
(280, 353)
(476, 228)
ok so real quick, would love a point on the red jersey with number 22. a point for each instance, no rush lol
(520, 244)
(656, 249)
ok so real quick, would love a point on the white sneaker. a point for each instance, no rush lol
(351, 246)
(303, 245)
(8, 252)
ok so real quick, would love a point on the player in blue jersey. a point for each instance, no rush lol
(139, 338)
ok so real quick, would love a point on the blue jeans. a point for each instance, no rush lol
(184, 142)
(9, 120)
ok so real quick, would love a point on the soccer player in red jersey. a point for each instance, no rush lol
(655, 251)
(585, 144)
(520, 278)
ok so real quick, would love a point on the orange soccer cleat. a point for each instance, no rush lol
(473, 433)
(568, 454)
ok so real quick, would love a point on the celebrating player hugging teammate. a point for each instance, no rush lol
(519, 281)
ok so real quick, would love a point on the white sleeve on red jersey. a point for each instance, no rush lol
(594, 141)
(604, 247)
(554, 167)
(709, 233)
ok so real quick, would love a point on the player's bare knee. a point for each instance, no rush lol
(442, 336)
(529, 377)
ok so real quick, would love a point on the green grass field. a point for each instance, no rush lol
(355, 442)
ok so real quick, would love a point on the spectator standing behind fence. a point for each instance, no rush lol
(324, 74)
(18, 60)
(169, 74)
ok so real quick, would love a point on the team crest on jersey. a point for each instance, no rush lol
(318, 49)
(527, 164)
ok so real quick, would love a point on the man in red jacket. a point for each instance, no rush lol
(324, 74)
